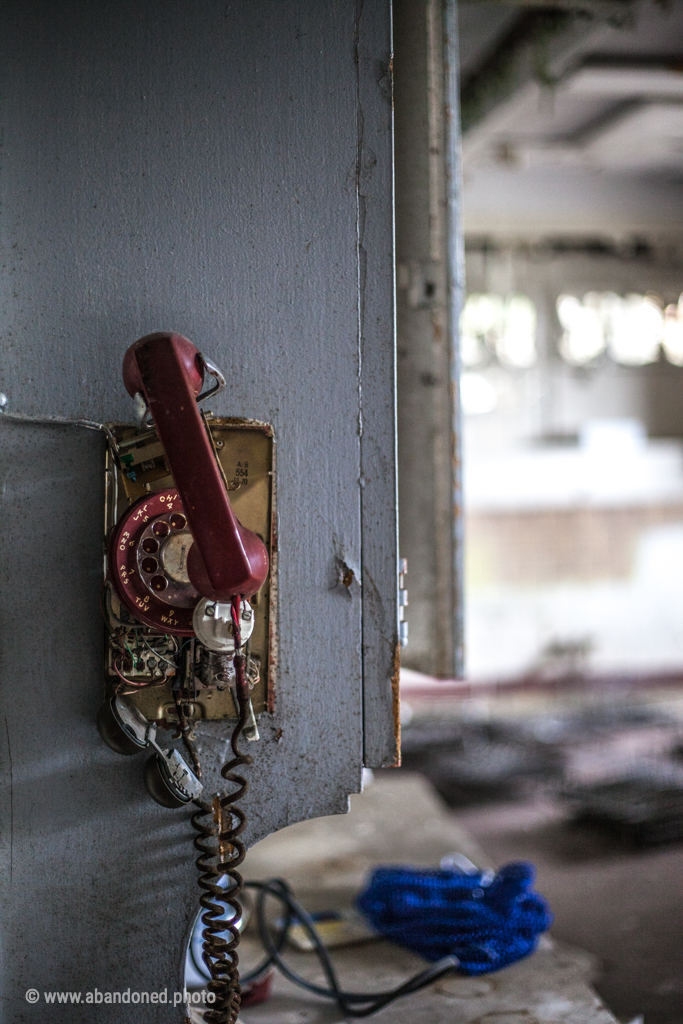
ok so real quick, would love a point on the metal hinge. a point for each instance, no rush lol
(402, 601)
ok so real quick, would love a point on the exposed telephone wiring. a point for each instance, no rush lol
(156, 653)
(128, 682)
(125, 650)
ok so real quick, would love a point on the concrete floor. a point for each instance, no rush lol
(623, 905)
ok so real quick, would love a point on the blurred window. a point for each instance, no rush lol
(584, 333)
(502, 328)
(632, 329)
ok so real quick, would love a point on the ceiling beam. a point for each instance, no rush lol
(609, 7)
(533, 49)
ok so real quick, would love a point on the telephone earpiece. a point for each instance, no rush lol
(168, 777)
(113, 726)
(167, 780)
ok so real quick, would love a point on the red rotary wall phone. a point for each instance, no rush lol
(183, 577)
(189, 607)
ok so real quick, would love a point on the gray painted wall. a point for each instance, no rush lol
(222, 170)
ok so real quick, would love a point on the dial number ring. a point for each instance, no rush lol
(154, 597)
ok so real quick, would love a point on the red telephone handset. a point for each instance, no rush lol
(175, 546)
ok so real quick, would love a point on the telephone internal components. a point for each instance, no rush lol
(144, 641)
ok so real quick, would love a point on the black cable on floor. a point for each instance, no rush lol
(352, 1004)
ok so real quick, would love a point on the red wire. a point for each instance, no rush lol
(236, 610)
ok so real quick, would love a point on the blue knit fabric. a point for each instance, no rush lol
(440, 913)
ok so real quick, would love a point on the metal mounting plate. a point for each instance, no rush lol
(246, 453)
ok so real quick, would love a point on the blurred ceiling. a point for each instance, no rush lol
(573, 118)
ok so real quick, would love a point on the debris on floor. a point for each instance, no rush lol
(643, 805)
(470, 761)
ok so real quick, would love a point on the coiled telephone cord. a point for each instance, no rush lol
(221, 851)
